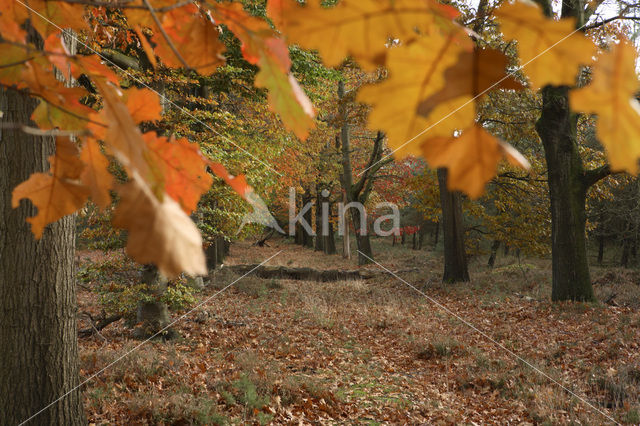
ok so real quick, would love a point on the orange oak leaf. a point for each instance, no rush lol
(42, 82)
(472, 158)
(50, 16)
(159, 232)
(285, 96)
(183, 167)
(143, 104)
(123, 139)
(148, 50)
(57, 193)
(261, 47)
(93, 67)
(194, 37)
(238, 183)
(96, 175)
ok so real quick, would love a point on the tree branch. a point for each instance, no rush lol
(591, 177)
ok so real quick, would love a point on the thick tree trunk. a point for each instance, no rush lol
(455, 258)
(38, 332)
(557, 128)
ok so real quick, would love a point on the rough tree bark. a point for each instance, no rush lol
(455, 258)
(38, 331)
(557, 128)
(568, 182)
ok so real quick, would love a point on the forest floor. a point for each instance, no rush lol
(372, 351)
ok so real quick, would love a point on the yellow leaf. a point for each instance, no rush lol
(159, 232)
(57, 193)
(415, 73)
(360, 28)
(611, 96)
(548, 50)
(95, 175)
(472, 158)
(474, 73)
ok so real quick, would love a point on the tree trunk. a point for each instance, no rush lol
(330, 241)
(363, 242)
(329, 244)
(436, 235)
(153, 315)
(346, 239)
(557, 128)
(307, 238)
(319, 231)
(624, 259)
(494, 253)
(455, 259)
(600, 249)
(38, 331)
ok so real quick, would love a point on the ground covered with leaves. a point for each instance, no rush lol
(369, 351)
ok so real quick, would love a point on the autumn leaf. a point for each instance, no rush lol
(238, 183)
(611, 96)
(12, 62)
(550, 51)
(261, 47)
(57, 193)
(96, 175)
(48, 116)
(359, 28)
(195, 38)
(183, 167)
(472, 158)
(144, 43)
(285, 96)
(42, 82)
(252, 32)
(143, 104)
(474, 73)
(49, 16)
(93, 67)
(159, 232)
(416, 72)
(123, 139)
